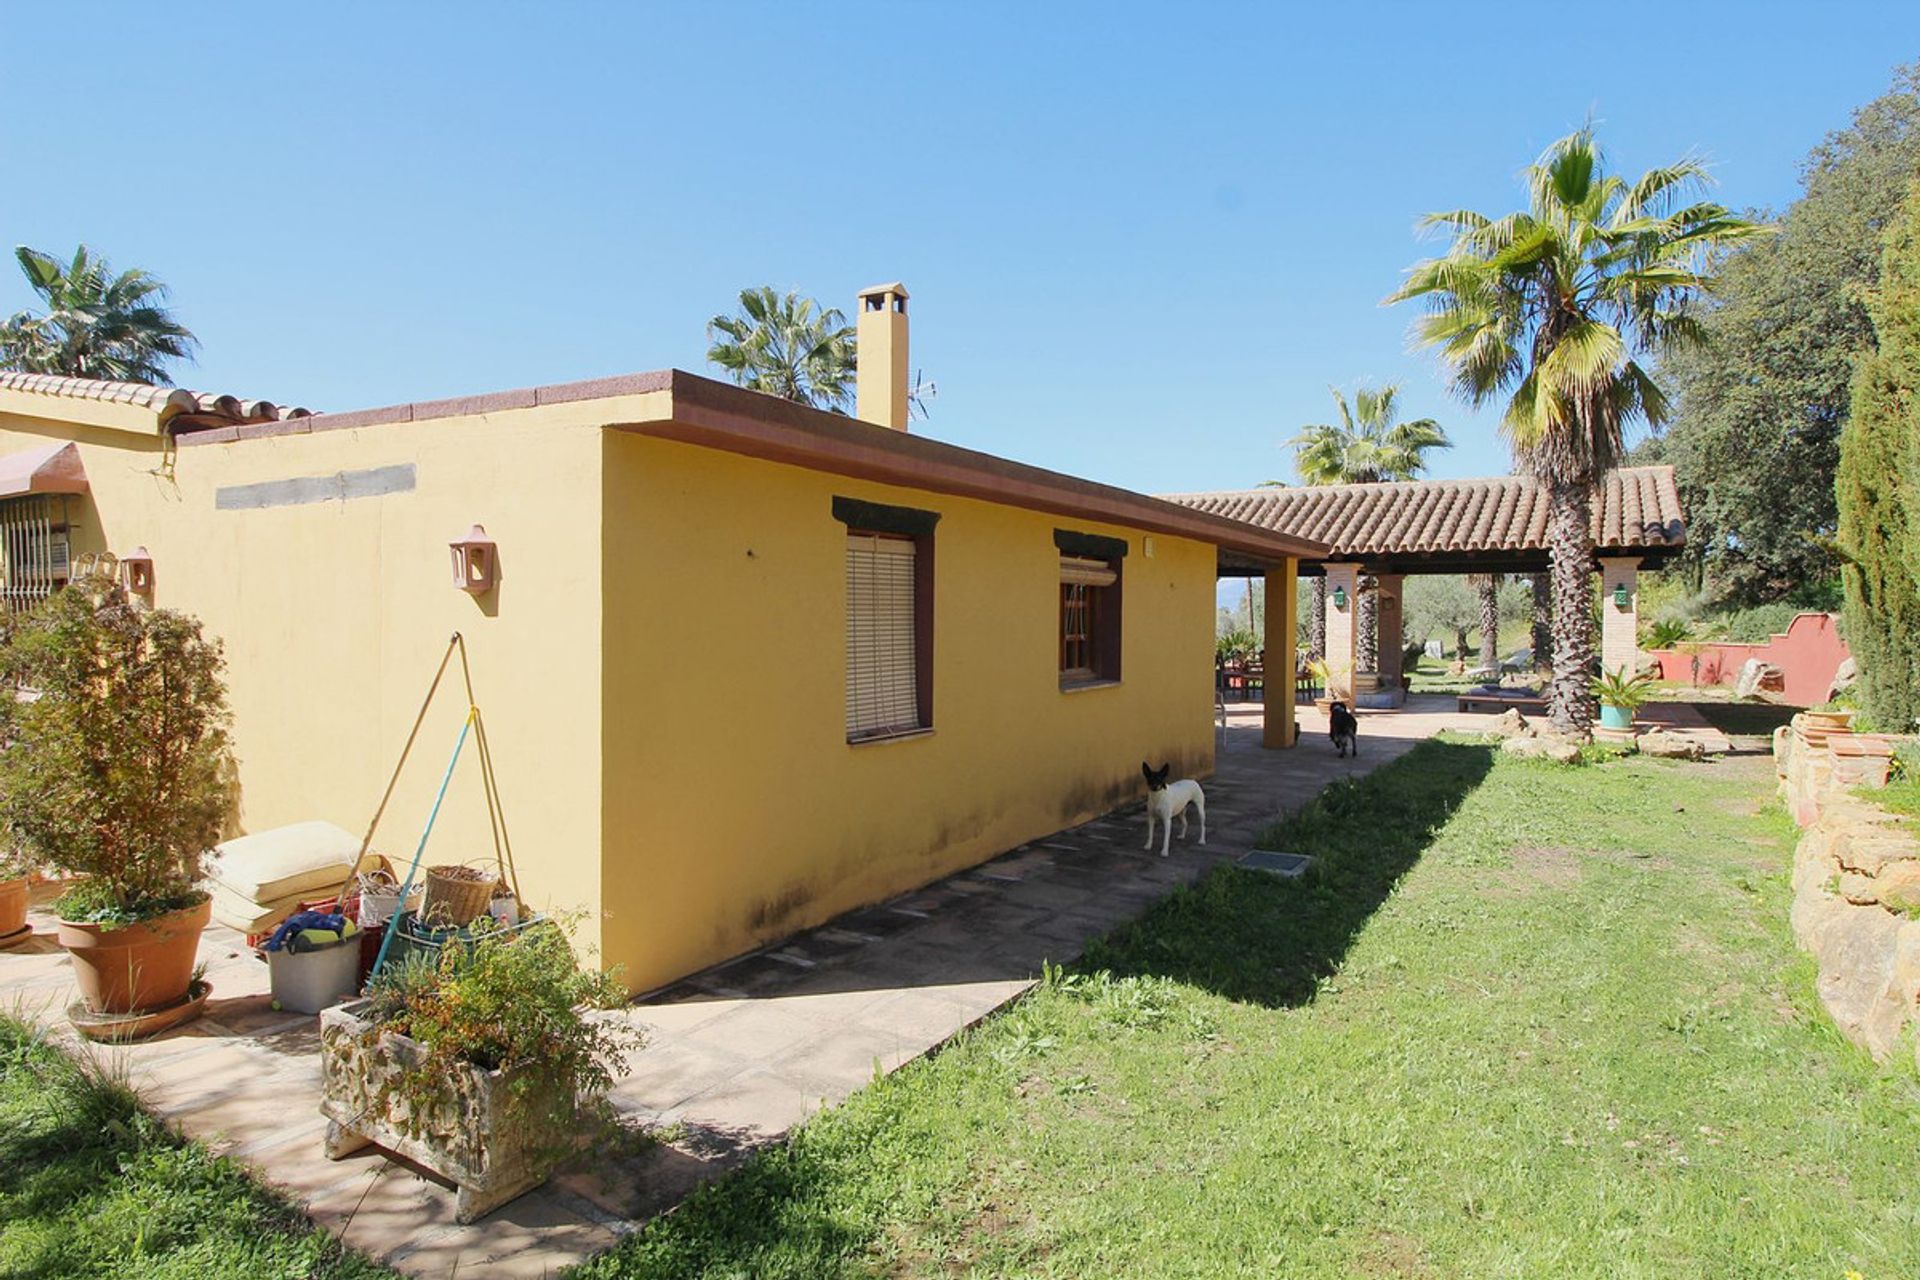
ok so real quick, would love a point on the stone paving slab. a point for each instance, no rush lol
(739, 1054)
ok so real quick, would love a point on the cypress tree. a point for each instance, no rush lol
(1877, 486)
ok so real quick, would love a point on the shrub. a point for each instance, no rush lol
(506, 1000)
(1752, 626)
(1666, 633)
(116, 765)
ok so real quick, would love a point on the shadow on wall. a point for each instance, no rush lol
(1253, 937)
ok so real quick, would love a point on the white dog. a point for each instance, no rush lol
(1165, 799)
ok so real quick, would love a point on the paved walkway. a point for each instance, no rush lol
(738, 1054)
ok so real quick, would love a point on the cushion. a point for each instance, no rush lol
(285, 860)
(244, 915)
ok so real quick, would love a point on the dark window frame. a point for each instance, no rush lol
(878, 519)
(1101, 608)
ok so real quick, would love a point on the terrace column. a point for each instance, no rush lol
(1282, 622)
(1619, 627)
(1343, 611)
(1392, 634)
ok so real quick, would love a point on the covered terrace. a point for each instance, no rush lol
(1377, 534)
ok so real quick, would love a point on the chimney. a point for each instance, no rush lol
(880, 380)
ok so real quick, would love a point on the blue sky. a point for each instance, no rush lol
(1141, 241)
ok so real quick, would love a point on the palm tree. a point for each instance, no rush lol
(786, 346)
(1488, 585)
(1549, 306)
(1368, 445)
(97, 324)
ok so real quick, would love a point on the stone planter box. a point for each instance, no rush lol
(470, 1135)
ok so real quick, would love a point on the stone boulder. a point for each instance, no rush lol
(1844, 679)
(1898, 886)
(1510, 724)
(1536, 746)
(1755, 676)
(1671, 746)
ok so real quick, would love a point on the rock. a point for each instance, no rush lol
(1756, 675)
(1856, 949)
(1860, 890)
(1671, 746)
(1510, 724)
(1898, 886)
(1843, 679)
(1543, 747)
(1869, 850)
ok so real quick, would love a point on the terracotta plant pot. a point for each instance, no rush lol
(13, 908)
(136, 967)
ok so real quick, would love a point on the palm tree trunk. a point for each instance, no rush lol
(1542, 621)
(1570, 541)
(1367, 643)
(1489, 585)
(1317, 620)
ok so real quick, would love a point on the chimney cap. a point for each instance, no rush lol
(897, 289)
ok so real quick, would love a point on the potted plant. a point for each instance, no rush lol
(1621, 694)
(1335, 681)
(485, 1063)
(116, 768)
(14, 885)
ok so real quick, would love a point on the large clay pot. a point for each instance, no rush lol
(13, 906)
(1616, 717)
(136, 967)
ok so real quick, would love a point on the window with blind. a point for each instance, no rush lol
(883, 676)
(889, 619)
(1089, 607)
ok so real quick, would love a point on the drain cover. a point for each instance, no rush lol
(1290, 865)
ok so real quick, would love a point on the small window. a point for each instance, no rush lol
(1089, 608)
(889, 619)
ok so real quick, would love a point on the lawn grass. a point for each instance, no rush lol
(1525, 1021)
(91, 1185)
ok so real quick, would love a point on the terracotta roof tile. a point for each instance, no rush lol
(193, 409)
(1636, 507)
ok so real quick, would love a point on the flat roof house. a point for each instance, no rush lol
(745, 665)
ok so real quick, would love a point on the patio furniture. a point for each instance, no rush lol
(1496, 702)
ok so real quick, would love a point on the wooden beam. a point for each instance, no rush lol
(1283, 616)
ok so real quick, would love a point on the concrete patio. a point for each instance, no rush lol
(738, 1054)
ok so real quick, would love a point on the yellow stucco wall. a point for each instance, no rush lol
(662, 666)
(735, 812)
(334, 615)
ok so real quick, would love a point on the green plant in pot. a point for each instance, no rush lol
(116, 768)
(487, 1064)
(1620, 695)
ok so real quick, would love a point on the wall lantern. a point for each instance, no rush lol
(1339, 597)
(1621, 600)
(136, 568)
(473, 561)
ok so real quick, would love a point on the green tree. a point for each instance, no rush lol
(1443, 603)
(1878, 488)
(1368, 445)
(1760, 404)
(97, 324)
(786, 346)
(1548, 307)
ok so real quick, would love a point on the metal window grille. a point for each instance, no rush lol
(882, 666)
(33, 550)
(1081, 582)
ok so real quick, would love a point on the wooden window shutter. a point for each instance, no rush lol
(883, 676)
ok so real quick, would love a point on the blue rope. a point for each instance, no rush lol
(400, 912)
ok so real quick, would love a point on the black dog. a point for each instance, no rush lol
(1344, 729)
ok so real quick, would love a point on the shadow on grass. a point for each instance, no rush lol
(1257, 938)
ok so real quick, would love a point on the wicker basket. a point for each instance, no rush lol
(455, 895)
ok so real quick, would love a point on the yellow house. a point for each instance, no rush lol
(745, 665)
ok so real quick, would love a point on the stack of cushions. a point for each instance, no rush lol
(259, 880)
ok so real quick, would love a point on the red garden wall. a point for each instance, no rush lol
(1810, 652)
